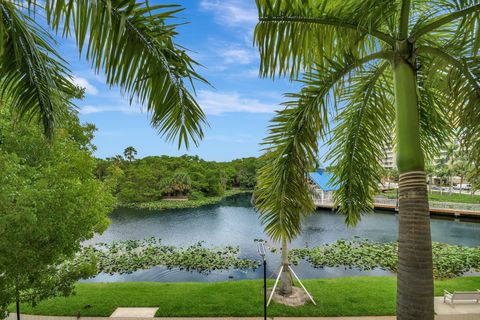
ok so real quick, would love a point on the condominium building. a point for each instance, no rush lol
(388, 161)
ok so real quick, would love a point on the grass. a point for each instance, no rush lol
(349, 296)
(445, 197)
(167, 204)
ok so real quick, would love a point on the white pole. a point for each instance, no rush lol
(275, 286)
(308, 294)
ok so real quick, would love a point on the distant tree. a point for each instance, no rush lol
(50, 202)
(246, 172)
(389, 175)
(430, 172)
(129, 153)
(150, 178)
(214, 183)
(139, 183)
(177, 185)
(461, 168)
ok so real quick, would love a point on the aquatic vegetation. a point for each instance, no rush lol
(448, 260)
(132, 255)
(128, 256)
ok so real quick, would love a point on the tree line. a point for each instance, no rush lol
(155, 178)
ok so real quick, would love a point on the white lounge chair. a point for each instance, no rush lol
(461, 296)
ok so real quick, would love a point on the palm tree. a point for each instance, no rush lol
(376, 69)
(130, 42)
(129, 153)
(450, 159)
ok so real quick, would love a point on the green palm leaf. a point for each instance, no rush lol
(362, 132)
(287, 34)
(132, 44)
(34, 78)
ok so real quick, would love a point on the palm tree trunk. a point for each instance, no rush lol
(286, 277)
(415, 271)
(451, 186)
(461, 184)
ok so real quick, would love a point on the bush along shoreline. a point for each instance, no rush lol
(165, 204)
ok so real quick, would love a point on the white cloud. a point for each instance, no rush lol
(212, 102)
(237, 55)
(250, 73)
(82, 82)
(127, 109)
(222, 102)
(232, 12)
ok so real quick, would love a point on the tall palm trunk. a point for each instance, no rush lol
(461, 184)
(286, 277)
(451, 186)
(415, 272)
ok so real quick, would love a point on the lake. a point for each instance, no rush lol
(235, 222)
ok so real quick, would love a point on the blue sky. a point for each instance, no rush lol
(238, 106)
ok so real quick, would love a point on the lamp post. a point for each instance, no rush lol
(262, 252)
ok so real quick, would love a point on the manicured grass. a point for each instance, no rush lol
(169, 204)
(445, 197)
(349, 296)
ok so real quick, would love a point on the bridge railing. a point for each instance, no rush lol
(379, 201)
(455, 206)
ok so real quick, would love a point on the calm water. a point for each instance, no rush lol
(234, 222)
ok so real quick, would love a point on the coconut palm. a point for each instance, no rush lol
(129, 153)
(131, 43)
(374, 69)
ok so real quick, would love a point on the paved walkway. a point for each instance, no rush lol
(468, 310)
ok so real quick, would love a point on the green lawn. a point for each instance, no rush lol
(445, 197)
(348, 296)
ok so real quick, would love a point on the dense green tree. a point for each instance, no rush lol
(215, 185)
(139, 184)
(369, 64)
(245, 172)
(152, 178)
(178, 185)
(131, 42)
(50, 202)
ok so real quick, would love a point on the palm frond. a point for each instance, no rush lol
(453, 75)
(283, 195)
(293, 36)
(34, 78)
(459, 18)
(132, 43)
(361, 134)
(436, 121)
